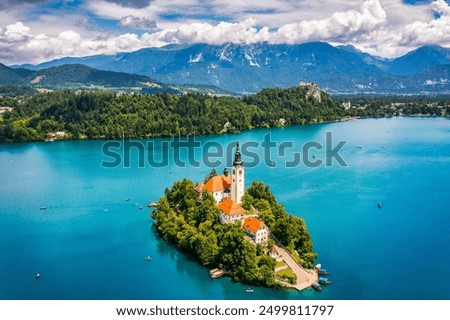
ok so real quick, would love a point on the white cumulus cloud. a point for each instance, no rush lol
(383, 27)
(127, 41)
(16, 32)
(341, 26)
(389, 40)
(420, 33)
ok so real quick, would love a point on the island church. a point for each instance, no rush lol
(228, 190)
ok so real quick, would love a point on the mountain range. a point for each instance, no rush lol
(78, 76)
(249, 68)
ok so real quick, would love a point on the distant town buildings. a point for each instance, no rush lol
(5, 109)
(347, 105)
(52, 136)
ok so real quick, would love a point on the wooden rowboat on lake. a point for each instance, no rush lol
(317, 286)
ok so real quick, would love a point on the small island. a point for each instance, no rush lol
(242, 233)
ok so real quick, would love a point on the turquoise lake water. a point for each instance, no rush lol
(91, 243)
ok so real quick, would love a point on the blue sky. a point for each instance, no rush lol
(32, 31)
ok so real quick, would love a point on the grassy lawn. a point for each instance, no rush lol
(280, 264)
(286, 273)
(296, 256)
(250, 212)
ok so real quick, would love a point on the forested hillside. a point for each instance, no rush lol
(103, 115)
(107, 115)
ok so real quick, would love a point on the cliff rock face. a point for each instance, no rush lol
(313, 90)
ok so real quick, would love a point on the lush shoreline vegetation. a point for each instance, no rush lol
(192, 224)
(107, 115)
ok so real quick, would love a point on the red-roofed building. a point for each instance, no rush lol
(218, 186)
(230, 212)
(256, 229)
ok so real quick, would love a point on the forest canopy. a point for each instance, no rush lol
(105, 115)
(108, 115)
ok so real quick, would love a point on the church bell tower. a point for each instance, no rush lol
(237, 177)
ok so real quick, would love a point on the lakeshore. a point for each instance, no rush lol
(115, 117)
(82, 252)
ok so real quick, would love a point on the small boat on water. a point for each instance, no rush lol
(316, 286)
(379, 205)
(216, 273)
(152, 204)
(127, 199)
(37, 276)
(323, 271)
(42, 208)
(272, 164)
(148, 258)
(250, 290)
(323, 280)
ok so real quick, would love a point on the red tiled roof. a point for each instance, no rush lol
(253, 224)
(230, 207)
(216, 183)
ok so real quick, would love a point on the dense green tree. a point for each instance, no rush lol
(267, 261)
(207, 248)
(207, 210)
(183, 198)
(211, 174)
(265, 211)
(247, 201)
